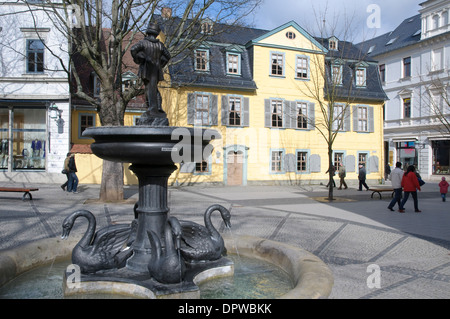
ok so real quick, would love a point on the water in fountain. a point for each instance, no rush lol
(252, 279)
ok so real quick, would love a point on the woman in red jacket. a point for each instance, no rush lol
(410, 185)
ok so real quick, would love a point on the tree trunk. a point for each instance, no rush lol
(111, 189)
(330, 174)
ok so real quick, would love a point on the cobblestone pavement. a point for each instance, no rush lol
(355, 235)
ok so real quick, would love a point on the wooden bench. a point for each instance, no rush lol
(26, 191)
(380, 190)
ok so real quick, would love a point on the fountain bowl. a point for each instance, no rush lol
(311, 277)
(151, 145)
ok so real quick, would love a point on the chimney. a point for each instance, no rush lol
(166, 13)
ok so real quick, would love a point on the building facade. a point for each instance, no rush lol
(414, 69)
(257, 88)
(34, 95)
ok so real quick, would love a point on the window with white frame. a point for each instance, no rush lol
(333, 44)
(407, 108)
(277, 113)
(234, 110)
(35, 56)
(362, 159)
(302, 67)
(338, 159)
(302, 115)
(276, 161)
(277, 64)
(233, 63)
(382, 69)
(361, 77)
(202, 109)
(437, 59)
(336, 74)
(363, 119)
(201, 60)
(407, 67)
(302, 161)
(338, 117)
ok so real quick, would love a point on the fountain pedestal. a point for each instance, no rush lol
(152, 211)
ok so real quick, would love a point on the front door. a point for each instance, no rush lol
(235, 165)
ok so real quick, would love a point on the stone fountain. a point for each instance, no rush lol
(157, 252)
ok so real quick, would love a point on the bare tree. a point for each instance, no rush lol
(331, 84)
(84, 23)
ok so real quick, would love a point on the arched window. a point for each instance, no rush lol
(435, 21)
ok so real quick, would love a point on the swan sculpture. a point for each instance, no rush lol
(204, 243)
(108, 248)
(167, 266)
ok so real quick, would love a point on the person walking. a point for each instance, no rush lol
(72, 184)
(66, 170)
(396, 180)
(443, 188)
(362, 178)
(410, 185)
(342, 174)
(387, 171)
(333, 172)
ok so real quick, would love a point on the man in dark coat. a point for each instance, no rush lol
(152, 56)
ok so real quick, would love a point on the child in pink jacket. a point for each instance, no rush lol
(443, 186)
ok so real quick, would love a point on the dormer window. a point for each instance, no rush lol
(360, 76)
(333, 43)
(201, 60)
(336, 72)
(207, 26)
(233, 63)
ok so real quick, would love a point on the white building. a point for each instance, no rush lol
(414, 61)
(34, 94)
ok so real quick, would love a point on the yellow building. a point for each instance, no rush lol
(263, 91)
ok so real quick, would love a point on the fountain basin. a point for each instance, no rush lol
(149, 145)
(311, 276)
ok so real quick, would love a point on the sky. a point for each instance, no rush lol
(352, 20)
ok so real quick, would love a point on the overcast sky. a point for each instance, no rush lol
(308, 14)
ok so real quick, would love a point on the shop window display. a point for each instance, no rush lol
(28, 139)
(4, 138)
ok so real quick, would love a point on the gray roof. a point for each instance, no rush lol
(407, 33)
(183, 73)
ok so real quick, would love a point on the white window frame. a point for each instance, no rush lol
(238, 101)
(277, 56)
(237, 63)
(302, 64)
(197, 66)
(277, 105)
(361, 77)
(204, 109)
(279, 154)
(336, 78)
(303, 106)
(338, 117)
(363, 118)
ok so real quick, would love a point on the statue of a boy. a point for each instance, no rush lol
(152, 56)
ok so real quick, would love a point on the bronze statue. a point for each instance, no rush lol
(152, 56)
